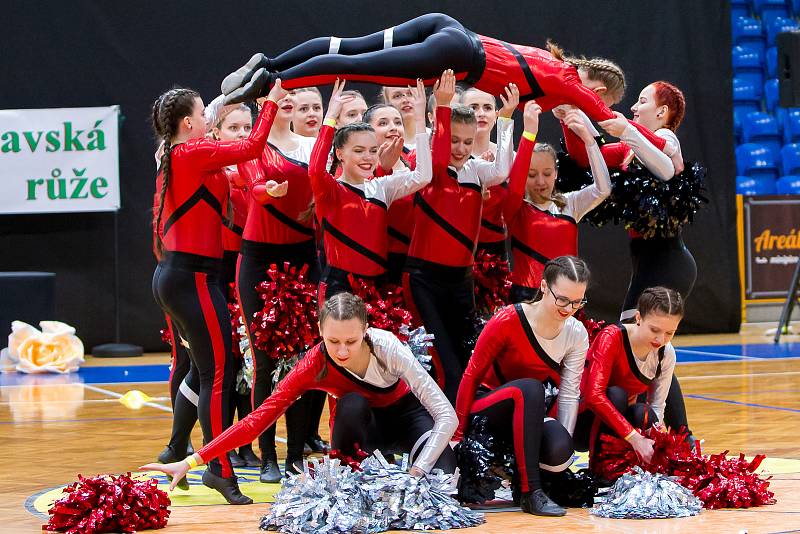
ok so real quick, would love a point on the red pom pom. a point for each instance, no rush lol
(288, 322)
(166, 336)
(718, 481)
(107, 503)
(492, 282)
(385, 307)
(354, 461)
(592, 326)
(236, 315)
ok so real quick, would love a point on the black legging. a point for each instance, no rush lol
(589, 427)
(393, 429)
(515, 413)
(444, 300)
(254, 261)
(186, 287)
(421, 48)
(184, 385)
(664, 262)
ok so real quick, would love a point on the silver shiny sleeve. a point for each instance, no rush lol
(585, 200)
(569, 390)
(496, 172)
(654, 159)
(402, 363)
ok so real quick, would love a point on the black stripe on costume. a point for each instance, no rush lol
(363, 195)
(536, 90)
(626, 342)
(350, 376)
(353, 244)
(202, 193)
(498, 372)
(556, 215)
(288, 221)
(454, 232)
(537, 348)
(238, 230)
(454, 175)
(491, 226)
(287, 158)
(397, 234)
(528, 251)
(478, 63)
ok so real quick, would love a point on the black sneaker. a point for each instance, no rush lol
(537, 502)
(258, 86)
(235, 459)
(168, 456)
(249, 457)
(270, 472)
(293, 468)
(228, 487)
(317, 444)
(244, 74)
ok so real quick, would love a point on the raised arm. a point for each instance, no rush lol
(323, 184)
(588, 198)
(518, 177)
(648, 147)
(496, 172)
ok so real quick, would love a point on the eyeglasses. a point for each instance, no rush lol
(563, 302)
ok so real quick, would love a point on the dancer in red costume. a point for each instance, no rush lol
(624, 361)
(438, 282)
(423, 47)
(542, 222)
(307, 118)
(520, 348)
(352, 209)
(188, 223)
(385, 399)
(279, 230)
(354, 110)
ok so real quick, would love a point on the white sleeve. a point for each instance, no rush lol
(212, 111)
(401, 362)
(569, 390)
(659, 387)
(659, 163)
(403, 183)
(585, 200)
(496, 172)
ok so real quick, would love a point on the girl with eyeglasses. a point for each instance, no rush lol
(522, 347)
(625, 361)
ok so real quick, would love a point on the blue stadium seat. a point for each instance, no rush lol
(790, 158)
(796, 7)
(779, 25)
(746, 93)
(762, 128)
(748, 31)
(791, 126)
(772, 62)
(771, 97)
(747, 64)
(750, 186)
(788, 185)
(739, 12)
(756, 160)
(769, 10)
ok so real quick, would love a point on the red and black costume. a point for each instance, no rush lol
(504, 382)
(539, 233)
(395, 406)
(438, 282)
(400, 223)
(233, 231)
(354, 216)
(613, 380)
(492, 234)
(278, 231)
(186, 281)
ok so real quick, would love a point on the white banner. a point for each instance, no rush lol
(59, 160)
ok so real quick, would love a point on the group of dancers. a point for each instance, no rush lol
(406, 191)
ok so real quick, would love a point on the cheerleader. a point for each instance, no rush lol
(354, 110)
(392, 155)
(352, 210)
(438, 281)
(385, 399)
(492, 235)
(523, 346)
(542, 222)
(307, 119)
(188, 230)
(423, 47)
(402, 100)
(279, 230)
(624, 361)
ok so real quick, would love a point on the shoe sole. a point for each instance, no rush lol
(243, 74)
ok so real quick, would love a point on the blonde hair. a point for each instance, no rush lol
(598, 69)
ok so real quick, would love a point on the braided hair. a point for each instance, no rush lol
(598, 69)
(668, 95)
(341, 137)
(661, 300)
(168, 110)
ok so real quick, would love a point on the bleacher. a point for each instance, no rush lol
(767, 135)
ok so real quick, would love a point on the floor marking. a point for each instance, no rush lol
(739, 403)
(743, 375)
(119, 395)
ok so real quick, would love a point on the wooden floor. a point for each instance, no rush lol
(51, 429)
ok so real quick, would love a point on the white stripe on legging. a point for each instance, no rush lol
(388, 37)
(187, 392)
(333, 48)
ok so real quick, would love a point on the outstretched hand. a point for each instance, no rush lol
(420, 100)
(615, 126)
(510, 101)
(177, 470)
(530, 117)
(445, 88)
(338, 100)
(389, 152)
(574, 121)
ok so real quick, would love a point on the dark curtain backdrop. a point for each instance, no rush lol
(89, 53)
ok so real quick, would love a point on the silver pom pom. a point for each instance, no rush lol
(642, 495)
(419, 341)
(330, 497)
